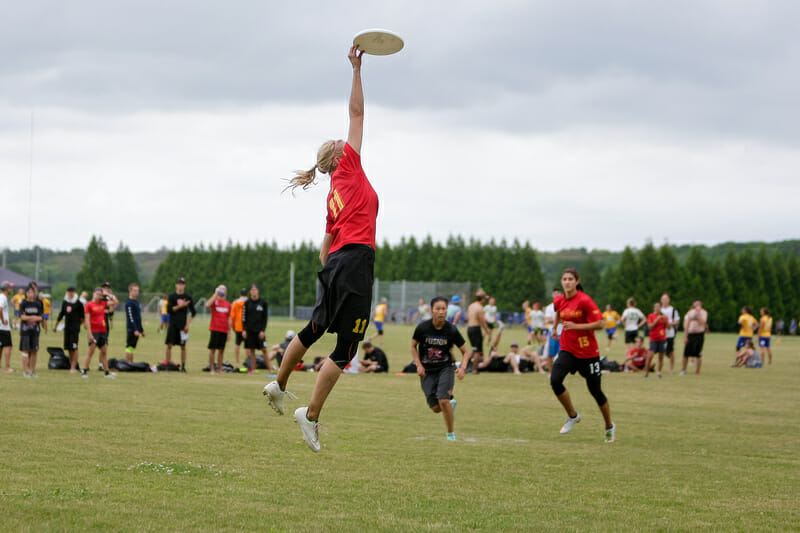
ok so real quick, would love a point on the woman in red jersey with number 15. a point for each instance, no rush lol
(580, 317)
(347, 254)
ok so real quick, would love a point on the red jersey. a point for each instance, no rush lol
(658, 331)
(580, 309)
(97, 315)
(639, 356)
(352, 204)
(220, 313)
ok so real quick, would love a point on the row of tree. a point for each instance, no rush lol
(100, 266)
(753, 278)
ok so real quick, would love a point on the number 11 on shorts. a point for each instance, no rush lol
(361, 325)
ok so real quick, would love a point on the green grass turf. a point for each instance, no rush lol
(155, 452)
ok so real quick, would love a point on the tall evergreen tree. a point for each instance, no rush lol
(126, 270)
(97, 266)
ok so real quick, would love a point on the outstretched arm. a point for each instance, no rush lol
(356, 132)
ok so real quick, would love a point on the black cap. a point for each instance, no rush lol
(180, 280)
(106, 284)
(71, 288)
(243, 292)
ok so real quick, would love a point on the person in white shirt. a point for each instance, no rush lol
(536, 317)
(552, 346)
(633, 319)
(490, 311)
(5, 325)
(674, 320)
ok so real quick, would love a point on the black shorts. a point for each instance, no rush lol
(71, 339)
(5, 339)
(100, 339)
(630, 336)
(566, 363)
(670, 345)
(694, 345)
(253, 341)
(217, 340)
(131, 340)
(491, 325)
(344, 295)
(29, 342)
(658, 346)
(438, 384)
(174, 335)
(239, 338)
(475, 337)
(497, 364)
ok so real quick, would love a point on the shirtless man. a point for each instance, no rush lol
(476, 326)
(695, 326)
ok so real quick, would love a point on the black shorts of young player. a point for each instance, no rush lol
(475, 336)
(437, 384)
(630, 336)
(71, 340)
(131, 340)
(100, 339)
(239, 338)
(253, 340)
(344, 300)
(694, 345)
(174, 336)
(217, 340)
(589, 369)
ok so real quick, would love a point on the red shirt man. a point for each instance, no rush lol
(96, 311)
(352, 204)
(220, 314)
(658, 329)
(580, 309)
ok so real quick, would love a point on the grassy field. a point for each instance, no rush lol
(166, 452)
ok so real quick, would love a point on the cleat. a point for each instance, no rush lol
(310, 428)
(609, 437)
(569, 422)
(276, 396)
(451, 436)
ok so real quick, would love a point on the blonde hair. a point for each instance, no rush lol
(325, 163)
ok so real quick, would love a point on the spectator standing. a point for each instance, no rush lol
(695, 327)
(107, 294)
(219, 327)
(254, 324)
(374, 359)
(431, 347)
(454, 310)
(31, 315)
(657, 325)
(5, 325)
(673, 320)
(46, 308)
(580, 317)
(96, 321)
(72, 312)
(748, 326)
(536, 316)
(476, 327)
(610, 319)
(490, 312)
(179, 306)
(552, 331)
(764, 335)
(133, 321)
(237, 307)
(632, 319)
(378, 317)
(164, 312)
(17, 300)
(423, 312)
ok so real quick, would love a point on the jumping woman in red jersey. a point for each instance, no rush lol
(580, 317)
(348, 257)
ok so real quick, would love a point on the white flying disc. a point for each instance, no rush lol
(378, 42)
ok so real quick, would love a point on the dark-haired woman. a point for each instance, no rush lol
(580, 317)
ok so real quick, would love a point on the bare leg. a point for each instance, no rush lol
(566, 402)
(606, 410)
(671, 362)
(7, 358)
(446, 409)
(511, 359)
(648, 364)
(211, 362)
(25, 362)
(168, 354)
(32, 361)
(183, 356)
(497, 338)
(88, 359)
(660, 361)
(685, 362)
(104, 357)
(293, 355)
(220, 357)
(699, 364)
(236, 354)
(328, 376)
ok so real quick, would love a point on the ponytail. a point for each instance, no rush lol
(326, 163)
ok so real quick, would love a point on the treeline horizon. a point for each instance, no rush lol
(725, 276)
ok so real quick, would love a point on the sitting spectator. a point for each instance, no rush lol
(637, 357)
(538, 360)
(277, 350)
(374, 359)
(748, 356)
(503, 363)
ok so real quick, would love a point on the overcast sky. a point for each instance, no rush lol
(567, 124)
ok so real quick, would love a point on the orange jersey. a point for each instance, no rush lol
(237, 308)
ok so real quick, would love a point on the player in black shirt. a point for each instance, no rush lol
(430, 347)
(254, 325)
(72, 313)
(179, 305)
(31, 311)
(374, 359)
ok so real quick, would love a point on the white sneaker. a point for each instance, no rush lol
(310, 428)
(26, 374)
(34, 375)
(609, 436)
(569, 422)
(110, 376)
(275, 396)
(683, 373)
